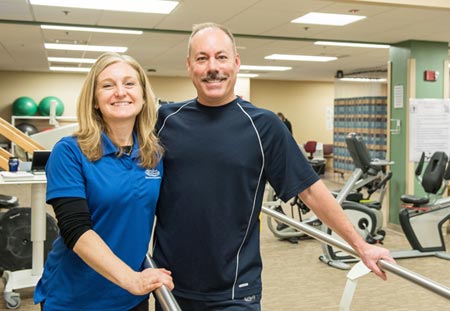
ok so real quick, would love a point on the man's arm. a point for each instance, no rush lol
(324, 205)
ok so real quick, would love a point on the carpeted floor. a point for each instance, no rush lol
(294, 279)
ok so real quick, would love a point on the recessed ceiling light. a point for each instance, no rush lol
(71, 60)
(352, 44)
(93, 29)
(82, 47)
(265, 68)
(70, 69)
(327, 19)
(306, 58)
(138, 6)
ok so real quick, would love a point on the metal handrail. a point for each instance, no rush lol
(163, 294)
(411, 276)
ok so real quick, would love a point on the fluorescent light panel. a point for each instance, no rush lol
(363, 79)
(351, 44)
(139, 6)
(247, 75)
(71, 60)
(327, 19)
(81, 47)
(265, 68)
(70, 69)
(93, 29)
(305, 58)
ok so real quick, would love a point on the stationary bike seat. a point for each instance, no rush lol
(8, 201)
(375, 205)
(416, 201)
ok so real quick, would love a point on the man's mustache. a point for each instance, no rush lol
(214, 77)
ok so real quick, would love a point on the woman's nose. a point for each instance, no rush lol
(120, 90)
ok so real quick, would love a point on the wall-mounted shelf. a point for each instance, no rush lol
(42, 118)
(41, 123)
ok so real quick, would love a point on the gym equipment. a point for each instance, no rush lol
(421, 220)
(24, 106)
(319, 235)
(283, 231)
(15, 241)
(27, 128)
(163, 294)
(15, 238)
(45, 106)
(367, 218)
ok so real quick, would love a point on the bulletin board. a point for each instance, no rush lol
(429, 127)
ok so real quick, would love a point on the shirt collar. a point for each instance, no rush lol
(109, 148)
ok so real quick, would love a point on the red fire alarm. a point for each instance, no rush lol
(429, 75)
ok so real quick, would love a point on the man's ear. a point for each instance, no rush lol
(188, 64)
(237, 59)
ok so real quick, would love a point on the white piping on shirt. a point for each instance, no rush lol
(175, 112)
(256, 192)
(254, 201)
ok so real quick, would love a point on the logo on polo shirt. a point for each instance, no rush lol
(152, 174)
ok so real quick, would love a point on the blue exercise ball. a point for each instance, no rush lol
(24, 106)
(44, 106)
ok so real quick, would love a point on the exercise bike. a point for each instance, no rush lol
(365, 214)
(16, 245)
(421, 219)
(283, 231)
(366, 178)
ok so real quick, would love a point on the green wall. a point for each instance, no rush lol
(428, 56)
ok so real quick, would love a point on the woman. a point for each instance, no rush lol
(103, 184)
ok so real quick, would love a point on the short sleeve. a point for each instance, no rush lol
(287, 169)
(64, 171)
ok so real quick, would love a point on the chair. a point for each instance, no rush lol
(328, 151)
(310, 147)
(318, 163)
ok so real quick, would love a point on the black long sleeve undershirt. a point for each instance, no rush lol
(73, 217)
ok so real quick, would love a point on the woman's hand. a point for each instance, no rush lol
(148, 280)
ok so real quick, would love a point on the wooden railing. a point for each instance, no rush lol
(18, 138)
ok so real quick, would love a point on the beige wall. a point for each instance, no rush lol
(67, 86)
(304, 103)
(37, 86)
(359, 89)
(172, 89)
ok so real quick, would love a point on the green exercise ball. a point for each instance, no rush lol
(44, 106)
(24, 106)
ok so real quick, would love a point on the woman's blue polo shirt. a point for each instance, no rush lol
(121, 196)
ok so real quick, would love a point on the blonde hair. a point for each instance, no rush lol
(198, 27)
(91, 123)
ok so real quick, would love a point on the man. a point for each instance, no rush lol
(285, 121)
(220, 151)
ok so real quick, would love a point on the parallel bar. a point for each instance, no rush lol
(391, 267)
(163, 294)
